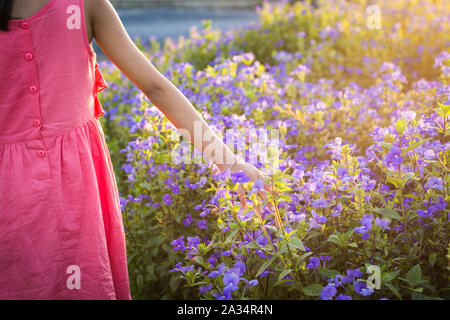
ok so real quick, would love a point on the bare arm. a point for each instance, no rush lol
(113, 39)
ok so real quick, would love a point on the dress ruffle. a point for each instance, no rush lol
(99, 85)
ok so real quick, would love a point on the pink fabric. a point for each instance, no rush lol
(59, 203)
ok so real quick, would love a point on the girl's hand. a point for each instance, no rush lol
(254, 174)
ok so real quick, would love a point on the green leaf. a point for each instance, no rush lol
(388, 212)
(233, 225)
(388, 277)
(304, 256)
(313, 290)
(251, 245)
(297, 243)
(313, 235)
(140, 281)
(174, 283)
(284, 198)
(265, 265)
(387, 146)
(330, 274)
(420, 296)
(271, 228)
(284, 274)
(432, 257)
(335, 239)
(400, 126)
(231, 235)
(394, 290)
(414, 145)
(396, 182)
(407, 176)
(199, 260)
(414, 276)
(146, 185)
(443, 110)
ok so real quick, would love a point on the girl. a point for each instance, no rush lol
(61, 230)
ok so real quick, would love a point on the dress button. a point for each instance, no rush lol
(29, 56)
(25, 25)
(37, 122)
(41, 153)
(33, 89)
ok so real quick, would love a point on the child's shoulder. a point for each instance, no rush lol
(94, 9)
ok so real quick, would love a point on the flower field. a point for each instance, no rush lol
(361, 190)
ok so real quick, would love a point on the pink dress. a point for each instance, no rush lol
(61, 229)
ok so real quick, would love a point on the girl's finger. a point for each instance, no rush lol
(262, 195)
(241, 196)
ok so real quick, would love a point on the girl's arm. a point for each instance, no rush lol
(111, 36)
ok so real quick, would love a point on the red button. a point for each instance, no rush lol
(29, 56)
(33, 89)
(37, 122)
(25, 25)
(41, 153)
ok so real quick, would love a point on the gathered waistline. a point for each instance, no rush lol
(38, 136)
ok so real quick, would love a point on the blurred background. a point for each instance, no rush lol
(172, 18)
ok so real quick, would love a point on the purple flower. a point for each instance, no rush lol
(367, 221)
(343, 297)
(434, 183)
(382, 223)
(328, 292)
(409, 115)
(205, 288)
(319, 203)
(218, 296)
(213, 274)
(259, 184)
(335, 148)
(187, 222)
(201, 224)
(366, 226)
(337, 210)
(253, 283)
(261, 240)
(167, 198)
(175, 189)
(178, 244)
(128, 168)
(429, 155)
(423, 213)
(318, 218)
(341, 172)
(239, 177)
(178, 267)
(241, 267)
(393, 156)
(193, 241)
(361, 288)
(340, 280)
(354, 273)
(314, 263)
(200, 206)
(230, 280)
